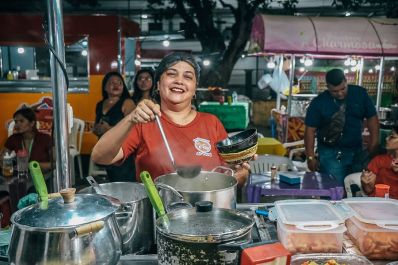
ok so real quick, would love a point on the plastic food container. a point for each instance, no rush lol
(373, 228)
(310, 226)
(322, 258)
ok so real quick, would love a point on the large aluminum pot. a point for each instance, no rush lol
(202, 235)
(216, 187)
(134, 216)
(70, 230)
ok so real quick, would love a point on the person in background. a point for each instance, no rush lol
(143, 85)
(347, 155)
(192, 135)
(26, 137)
(383, 169)
(114, 106)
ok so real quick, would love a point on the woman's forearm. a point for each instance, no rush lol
(108, 146)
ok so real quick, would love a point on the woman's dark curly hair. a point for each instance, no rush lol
(125, 93)
(137, 95)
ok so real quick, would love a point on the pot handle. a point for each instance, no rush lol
(227, 169)
(167, 187)
(83, 230)
(234, 245)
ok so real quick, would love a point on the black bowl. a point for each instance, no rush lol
(239, 142)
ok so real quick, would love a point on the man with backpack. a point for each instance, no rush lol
(335, 118)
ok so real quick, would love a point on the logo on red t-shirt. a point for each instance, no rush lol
(203, 146)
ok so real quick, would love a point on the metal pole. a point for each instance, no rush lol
(119, 46)
(56, 39)
(380, 83)
(278, 94)
(361, 61)
(289, 99)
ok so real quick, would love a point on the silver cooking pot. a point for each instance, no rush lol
(69, 230)
(134, 216)
(384, 113)
(219, 188)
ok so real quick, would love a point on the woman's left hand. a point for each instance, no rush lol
(241, 172)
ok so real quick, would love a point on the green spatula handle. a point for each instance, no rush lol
(152, 193)
(38, 180)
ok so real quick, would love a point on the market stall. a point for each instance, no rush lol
(326, 38)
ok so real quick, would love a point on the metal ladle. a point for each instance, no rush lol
(185, 172)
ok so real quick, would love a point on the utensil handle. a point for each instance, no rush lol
(165, 139)
(93, 227)
(152, 193)
(95, 185)
(38, 180)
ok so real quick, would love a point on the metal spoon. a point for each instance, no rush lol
(185, 172)
(97, 188)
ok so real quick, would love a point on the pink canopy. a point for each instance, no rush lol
(325, 35)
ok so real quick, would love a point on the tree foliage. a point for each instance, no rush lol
(201, 21)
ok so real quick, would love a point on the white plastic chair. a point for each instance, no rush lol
(75, 145)
(354, 179)
(263, 163)
(10, 128)
(95, 170)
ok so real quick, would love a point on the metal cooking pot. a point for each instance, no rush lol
(134, 216)
(216, 187)
(202, 235)
(69, 230)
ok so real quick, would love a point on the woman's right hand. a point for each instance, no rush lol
(368, 181)
(144, 112)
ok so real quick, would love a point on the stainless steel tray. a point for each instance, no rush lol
(320, 258)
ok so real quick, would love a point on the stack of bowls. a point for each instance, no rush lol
(238, 148)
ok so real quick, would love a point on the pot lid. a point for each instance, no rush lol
(204, 224)
(85, 208)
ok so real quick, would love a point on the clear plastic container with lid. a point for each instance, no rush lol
(373, 226)
(310, 226)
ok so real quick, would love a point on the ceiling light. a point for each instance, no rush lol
(308, 62)
(302, 60)
(166, 43)
(84, 43)
(21, 50)
(84, 52)
(392, 68)
(347, 13)
(370, 71)
(353, 62)
(144, 16)
(347, 62)
(137, 62)
(243, 55)
(97, 67)
(113, 65)
(353, 69)
(271, 65)
(377, 67)
(346, 71)
(302, 69)
(206, 62)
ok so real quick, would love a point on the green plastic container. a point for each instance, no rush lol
(233, 117)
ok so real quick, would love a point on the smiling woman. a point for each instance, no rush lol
(192, 135)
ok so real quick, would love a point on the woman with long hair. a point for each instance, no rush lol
(143, 85)
(114, 106)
